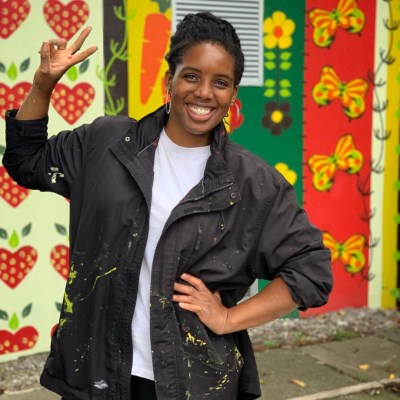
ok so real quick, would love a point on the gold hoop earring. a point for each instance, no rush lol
(168, 102)
(237, 108)
(226, 122)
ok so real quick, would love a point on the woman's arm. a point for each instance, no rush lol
(272, 302)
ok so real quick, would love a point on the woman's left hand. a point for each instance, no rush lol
(196, 297)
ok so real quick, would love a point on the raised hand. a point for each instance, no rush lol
(196, 297)
(56, 57)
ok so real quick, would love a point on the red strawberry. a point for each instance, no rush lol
(14, 266)
(17, 340)
(23, 339)
(12, 97)
(65, 20)
(13, 14)
(59, 256)
(10, 191)
(71, 103)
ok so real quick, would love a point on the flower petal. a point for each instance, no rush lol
(269, 25)
(279, 17)
(284, 42)
(270, 41)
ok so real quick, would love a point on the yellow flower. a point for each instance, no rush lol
(278, 30)
(289, 174)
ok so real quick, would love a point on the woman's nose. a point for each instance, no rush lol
(204, 91)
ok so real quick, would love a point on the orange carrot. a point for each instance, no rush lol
(157, 32)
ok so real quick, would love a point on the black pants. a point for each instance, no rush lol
(142, 389)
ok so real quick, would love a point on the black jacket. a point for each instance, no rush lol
(239, 223)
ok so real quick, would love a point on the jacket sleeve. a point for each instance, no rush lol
(35, 161)
(291, 247)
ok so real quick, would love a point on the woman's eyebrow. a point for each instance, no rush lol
(195, 69)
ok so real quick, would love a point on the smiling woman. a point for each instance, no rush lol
(171, 223)
(202, 90)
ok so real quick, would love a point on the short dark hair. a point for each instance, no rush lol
(205, 27)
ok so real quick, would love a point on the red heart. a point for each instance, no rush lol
(24, 339)
(65, 20)
(12, 97)
(13, 14)
(15, 266)
(71, 103)
(10, 191)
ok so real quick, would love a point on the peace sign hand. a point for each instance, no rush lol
(197, 298)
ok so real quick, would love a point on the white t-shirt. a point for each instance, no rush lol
(176, 170)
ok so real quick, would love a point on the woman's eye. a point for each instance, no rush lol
(191, 77)
(221, 83)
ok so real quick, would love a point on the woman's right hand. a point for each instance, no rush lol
(56, 57)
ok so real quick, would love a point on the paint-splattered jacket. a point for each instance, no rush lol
(241, 222)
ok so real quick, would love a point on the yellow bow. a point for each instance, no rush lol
(346, 15)
(345, 158)
(350, 253)
(351, 95)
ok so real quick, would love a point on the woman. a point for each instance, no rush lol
(170, 224)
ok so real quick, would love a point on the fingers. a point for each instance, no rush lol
(80, 40)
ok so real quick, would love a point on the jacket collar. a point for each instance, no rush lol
(144, 136)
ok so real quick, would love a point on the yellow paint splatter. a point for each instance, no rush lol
(68, 305)
(197, 342)
(72, 274)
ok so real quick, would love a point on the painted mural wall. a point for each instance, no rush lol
(327, 117)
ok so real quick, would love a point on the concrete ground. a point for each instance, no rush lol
(356, 369)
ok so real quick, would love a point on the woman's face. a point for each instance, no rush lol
(202, 91)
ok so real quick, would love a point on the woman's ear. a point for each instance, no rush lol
(235, 93)
(168, 80)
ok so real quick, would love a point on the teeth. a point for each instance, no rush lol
(200, 110)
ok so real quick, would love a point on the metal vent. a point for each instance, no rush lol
(246, 17)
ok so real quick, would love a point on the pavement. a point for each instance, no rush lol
(357, 369)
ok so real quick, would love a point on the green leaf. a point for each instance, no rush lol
(58, 306)
(163, 5)
(61, 229)
(396, 255)
(270, 83)
(12, 72)
(285, 93)
(397, 219)
(2, 67)
(285, 65)
(395, 293)
(3, 233)
(397, 113)
(25, 65)
(72, 73)
(397, 185)
(397, 149)
(84, 66)
(26, 230)
(3, 315)
(14, 322)
(14, 240)
(27, 310)
(270, 65)
(270, 55)
(285, 56)
(285, 83)
(270, 93)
